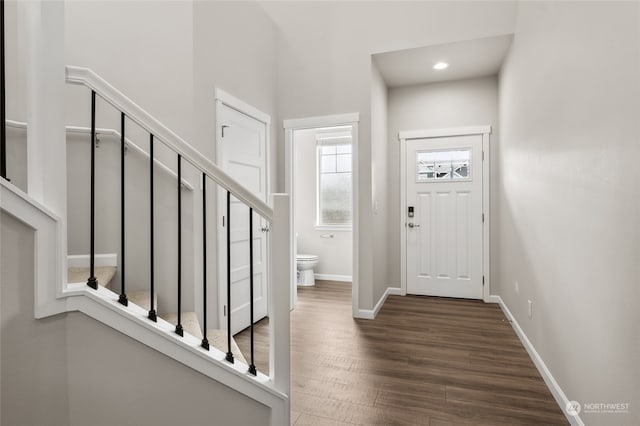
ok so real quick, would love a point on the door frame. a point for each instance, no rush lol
(223, 98)
(485, 132)
(350, 119)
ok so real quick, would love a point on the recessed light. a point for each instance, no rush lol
(441, 66)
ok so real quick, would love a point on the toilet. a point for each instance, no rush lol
(305, 264)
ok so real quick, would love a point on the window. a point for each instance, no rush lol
(444, 165)
(334, 182)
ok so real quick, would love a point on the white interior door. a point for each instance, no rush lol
(443, 216)
(242, 153)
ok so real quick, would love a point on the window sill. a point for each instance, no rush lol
(332, 228)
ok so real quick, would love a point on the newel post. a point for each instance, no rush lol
(279, 294)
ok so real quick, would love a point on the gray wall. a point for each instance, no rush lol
(17, 156)
(34, 376)
(325, 68)
(434, 106)
(71, 370)
(569, 206)
(335, 253)
(103, 363)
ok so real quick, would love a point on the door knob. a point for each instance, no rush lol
(412, 225)
(265, 229)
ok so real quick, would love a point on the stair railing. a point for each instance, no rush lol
(278, 216)
(129, 144)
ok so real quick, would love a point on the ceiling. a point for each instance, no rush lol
(466, 59)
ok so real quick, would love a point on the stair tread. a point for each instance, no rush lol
(190, 322)
(104, 274)
(218, 339)
(142, 298)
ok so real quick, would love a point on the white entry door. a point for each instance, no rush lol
(443, 216)
(242, 153)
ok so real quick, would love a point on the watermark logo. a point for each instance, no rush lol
(606, 407)
(573, 408)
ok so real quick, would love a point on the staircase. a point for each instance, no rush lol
(178, 334)
(217, 337)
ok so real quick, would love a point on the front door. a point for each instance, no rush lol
(242, 153)
(443, 216)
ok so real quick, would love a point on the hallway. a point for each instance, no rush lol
(422, 361)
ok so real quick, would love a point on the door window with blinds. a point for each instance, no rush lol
(334, 177)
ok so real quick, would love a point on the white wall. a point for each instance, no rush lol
(380, 185)
(335, 253)
(569, 206)
(325, 68)
(434, 106)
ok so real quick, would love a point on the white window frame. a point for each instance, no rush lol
(330, 226)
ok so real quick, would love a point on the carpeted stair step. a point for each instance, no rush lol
(142, 299)
(104, 275)
(190, 322)
(218, 339)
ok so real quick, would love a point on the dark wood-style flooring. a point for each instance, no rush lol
(422, 361)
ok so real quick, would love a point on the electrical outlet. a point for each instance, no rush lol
(517, 286)
(530, 309)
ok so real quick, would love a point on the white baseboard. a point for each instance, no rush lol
(373, 313)
(492, 299)
(332, 277)
(82, 260)
(554, 387)
(395, 291)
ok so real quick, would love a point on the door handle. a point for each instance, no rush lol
(413, 225)
(265, 229)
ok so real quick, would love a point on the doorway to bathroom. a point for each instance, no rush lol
(321, 176)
